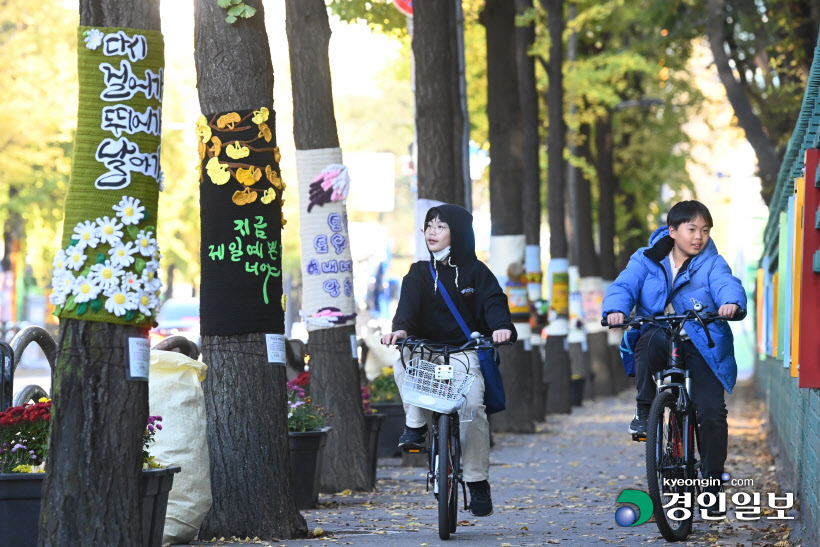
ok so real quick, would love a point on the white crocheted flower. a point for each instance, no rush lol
(147, 301)
(59, 262)
(94, 38)
(75, 258)
(85, 289)
(146, 244)
(122, 254)
(86, 235)
(119, 301)
(109, 230)
(129, 210)
(130, 281)
(107, 275)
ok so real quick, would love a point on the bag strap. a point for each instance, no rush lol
(453, 309)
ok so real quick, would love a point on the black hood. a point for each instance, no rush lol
(462, 237)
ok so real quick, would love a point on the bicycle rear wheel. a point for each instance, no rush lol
(446, 478)
(666, 461)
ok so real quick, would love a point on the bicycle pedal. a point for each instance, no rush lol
(423, 450)
(638, 438)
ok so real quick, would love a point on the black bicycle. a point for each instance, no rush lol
(672, 432)
(431, 382)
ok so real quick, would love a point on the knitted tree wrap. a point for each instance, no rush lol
(327, 266)
(241, 213)
(107, 267)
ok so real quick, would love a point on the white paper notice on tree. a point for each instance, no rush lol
(276, 348)
(139, 358)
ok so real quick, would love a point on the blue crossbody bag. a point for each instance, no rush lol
(494, 398)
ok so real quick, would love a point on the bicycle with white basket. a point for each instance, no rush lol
(440, 388)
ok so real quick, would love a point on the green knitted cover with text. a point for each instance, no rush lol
(115, 163)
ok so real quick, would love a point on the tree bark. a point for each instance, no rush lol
(245, 396)
(528, 97)
(439, 122)
(91, 494)
(504, 116)
(583, 243)
(92, 490)
(557, 129)
(768, 160)
(607, 186)
(334, 374)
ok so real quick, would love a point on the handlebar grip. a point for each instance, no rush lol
(604, 323)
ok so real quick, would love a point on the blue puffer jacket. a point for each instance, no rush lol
(646, 284)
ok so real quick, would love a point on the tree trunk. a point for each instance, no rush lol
(517, 374)
(768, 161)
(583, 252)
(557, 366)
(335, 383)
(92, 490)
(245, 396)
(607, 186)
(439, 121)
(504, 117)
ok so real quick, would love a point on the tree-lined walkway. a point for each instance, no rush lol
(558, 486)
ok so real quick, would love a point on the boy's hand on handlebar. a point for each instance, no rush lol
(728, 310)
(502, 335)
(615, 318)
(391, 338)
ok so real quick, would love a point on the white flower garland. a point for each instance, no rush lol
(106, 282)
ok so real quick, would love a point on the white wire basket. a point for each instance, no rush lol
(435, 387)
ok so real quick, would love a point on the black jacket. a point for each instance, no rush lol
(422, 310)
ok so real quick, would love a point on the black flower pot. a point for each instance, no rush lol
(305, 462)
(373, 424)
(21, 498)
(391, 428)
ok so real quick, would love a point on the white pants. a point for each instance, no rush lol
(475, 435)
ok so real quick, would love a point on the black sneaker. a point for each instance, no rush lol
(481, 504)
(413, 437)
(638, 425)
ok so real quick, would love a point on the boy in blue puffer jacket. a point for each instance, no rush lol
(680, 266)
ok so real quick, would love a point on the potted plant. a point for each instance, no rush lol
(373, 423)
(385, 399)
(307, 433)
(23, 451)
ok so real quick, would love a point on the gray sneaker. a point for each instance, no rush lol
(638, 424)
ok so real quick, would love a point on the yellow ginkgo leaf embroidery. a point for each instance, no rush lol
(283, 220)
(268, 196)
(237, 151)
(217, 145)
(200, 148)
(218, 172)
(249, 176)
(284, 302)
(260, 115)
(274, 179)
(228, 120)
(276, 155)
(264, 132)
(245, 197)
(203, 131)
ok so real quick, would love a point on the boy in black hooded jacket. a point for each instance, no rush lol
(422, 312)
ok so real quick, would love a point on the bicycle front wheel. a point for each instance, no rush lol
(668, 468)
(446, 478)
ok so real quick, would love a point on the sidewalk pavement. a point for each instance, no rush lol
(556, 487)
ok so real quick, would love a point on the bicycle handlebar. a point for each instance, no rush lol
(704, 318)
(481, 342)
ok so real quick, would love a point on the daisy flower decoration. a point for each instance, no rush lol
(106, 275)
(146, 301)
(109, 230)
(59, 262)
(146, 244)
(86, 235)
(75, 258)
(62, 285)
(120, 302)
(85, 289)
(129, 210)
(130, 281)
(94, 38)
(122, 254)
